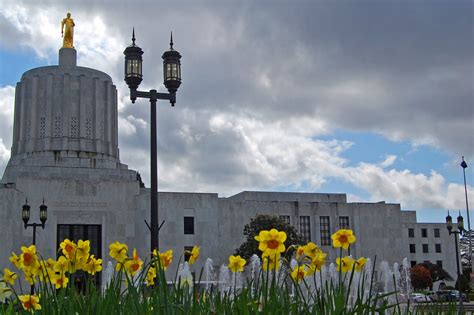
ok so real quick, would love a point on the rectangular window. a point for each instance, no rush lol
(325, 231)
(438, 248)
(411, 233)
(305, 228)
(425, 248)
(76, 232)
(424, 233)
(285, 218)
(344, 222)
(187, 252)
(412, 248)
(436, 233)
(188, 225)
(439, 263)
(413, 263)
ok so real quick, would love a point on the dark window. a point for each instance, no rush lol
(285, 218)
(187, 252)
(412, 248)
(413, 263)
(411, 232)
(325, 231)
(344, 222)
(188, 225)
(305, 228)
(438, 248)
(439, 263)
(76, 232)
(436, 233)
(425, 248)
(424, 233)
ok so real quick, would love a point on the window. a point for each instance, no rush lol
(438, 248)
(76, 232)
(413, 263)
(344, 222)
(436, 233)
(411, 233)
(325, 231)
(425, 248)
(305, 228)
(285, 218)
(424, 233)
(412, 248)
(188, 225)
(439, 263)
(187, 252)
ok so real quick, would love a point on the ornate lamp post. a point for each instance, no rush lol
(25, 215)
(172, 81)
(459, 231)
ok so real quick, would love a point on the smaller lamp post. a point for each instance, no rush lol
(459, 231)
(25, 215)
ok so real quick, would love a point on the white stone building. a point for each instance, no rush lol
(65, 150)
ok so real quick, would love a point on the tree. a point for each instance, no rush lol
(267, 222)
(437, 273)
(420, 277)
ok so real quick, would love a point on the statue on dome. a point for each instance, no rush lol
(67, 31)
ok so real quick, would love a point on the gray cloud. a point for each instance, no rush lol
(296, 70)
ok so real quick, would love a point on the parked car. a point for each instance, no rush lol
(420, 298)
(450, 296)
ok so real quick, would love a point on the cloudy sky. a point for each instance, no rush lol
(370, 98)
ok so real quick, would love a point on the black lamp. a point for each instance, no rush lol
(172, 69)
(25, 213)
(43, 214)
(449, 222)
(133, 66)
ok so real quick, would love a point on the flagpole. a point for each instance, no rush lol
(464, 166)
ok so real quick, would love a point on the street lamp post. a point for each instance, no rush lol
(25, 215)
(459, 231)
(464, 166)
(172, 81)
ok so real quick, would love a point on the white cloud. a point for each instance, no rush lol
(389, 160)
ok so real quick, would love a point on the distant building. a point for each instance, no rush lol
(65, 150)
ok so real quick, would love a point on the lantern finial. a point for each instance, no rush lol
(171, 40)
(133, 36)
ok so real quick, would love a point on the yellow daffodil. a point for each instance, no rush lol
(345, 264)
(15, 260)
(30, 302)
(118, 251)
(61, 265)
(299, 252)
(82, 250)
(270, 261)
(60, 280)
(9, 276)
(343, 238)
(194, 255)
(319, 260)
(166, 258)
(93, 265)
(271, 241)
(28, 257)
(150, 276)
(133, 265)
(68, 248)
(359, 264)
(298, 273)
(311, 250)
(236, 263)
(30, 277)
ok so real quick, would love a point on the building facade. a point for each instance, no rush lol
(65, 150)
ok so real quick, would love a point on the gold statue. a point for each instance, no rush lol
(67, 31)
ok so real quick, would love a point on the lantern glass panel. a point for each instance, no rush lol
(43, 213)
(25, 213)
